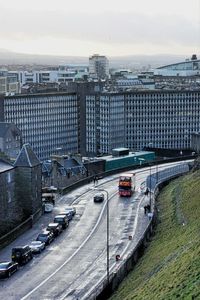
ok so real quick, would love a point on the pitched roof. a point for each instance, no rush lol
(5, 166)
(26, 157)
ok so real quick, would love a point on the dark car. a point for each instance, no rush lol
(7, 268)
(22, 255)
(71, 209)
(62, 220)
(99, 197)
(46, 237)
(56, 228)
(68, 214)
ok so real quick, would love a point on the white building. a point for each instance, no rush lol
(190, 67)
(98, 67)
(60, 74)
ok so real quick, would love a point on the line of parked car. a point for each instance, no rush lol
(23, 254)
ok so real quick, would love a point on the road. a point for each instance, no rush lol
(75, 262)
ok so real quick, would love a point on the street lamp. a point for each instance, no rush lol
(107, 230)
(156, 173)
(150, 189)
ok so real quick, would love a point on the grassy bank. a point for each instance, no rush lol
(170, 267)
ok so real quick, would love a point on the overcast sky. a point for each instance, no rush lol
(107, 27)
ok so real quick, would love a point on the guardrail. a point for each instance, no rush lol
(160, 176)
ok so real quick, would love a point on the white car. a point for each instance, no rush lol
(37, 246)
(48, 207)
(71, 209)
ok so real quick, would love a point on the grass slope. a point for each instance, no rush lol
(170, 267)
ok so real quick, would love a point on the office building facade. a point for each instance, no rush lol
(105, 121)
(161, 119)
(48, 122)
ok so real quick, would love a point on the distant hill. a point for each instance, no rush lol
(131, 61)
(13, 58)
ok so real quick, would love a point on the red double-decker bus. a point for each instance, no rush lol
(126, 184)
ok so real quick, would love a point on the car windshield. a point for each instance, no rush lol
(4, 265)
(42, 236)
(35, 243)
(99, 195)
(59, 219)
(17, 252)
(52, 225)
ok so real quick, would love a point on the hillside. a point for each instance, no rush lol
(170, 267)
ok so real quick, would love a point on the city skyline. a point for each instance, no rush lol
(109, 28)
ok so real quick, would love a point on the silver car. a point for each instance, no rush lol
(37, 246)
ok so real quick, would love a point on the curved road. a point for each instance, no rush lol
(75, 262)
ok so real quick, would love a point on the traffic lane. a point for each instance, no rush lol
(54, 255)
(56, 247)
(85, 268)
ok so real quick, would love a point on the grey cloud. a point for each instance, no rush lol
(111, 28)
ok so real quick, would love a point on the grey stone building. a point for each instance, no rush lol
(28, 180)
(62, 171)
(20, 189)
(10, 140)
(11, 212)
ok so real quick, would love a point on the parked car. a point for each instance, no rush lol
(72, 209)
(68, 214)
(62, 220)
(7, 268)
(48, 207)
(37, 246)
(46, 237)
(99, 197)
(56, 228)
(22, 255)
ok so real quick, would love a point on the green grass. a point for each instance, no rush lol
(170, 267)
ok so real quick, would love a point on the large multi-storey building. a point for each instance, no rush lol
(48, 122)
(95, 123)
(98, 67)
(104, 123)
(8, 83)
(163, 119)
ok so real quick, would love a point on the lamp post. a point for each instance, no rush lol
(156, 173)
(150, 188)
(107, 232)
